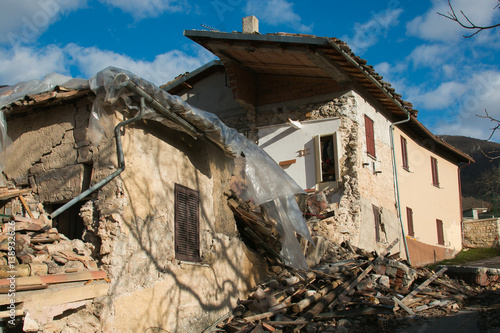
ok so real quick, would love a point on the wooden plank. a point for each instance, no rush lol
(56, 278)
(423, 285)
(26, 207)
(27, 226)
(15, 193)
(7, 314)
(403, 306)
(19, 218)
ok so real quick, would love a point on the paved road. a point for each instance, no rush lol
(489, 263)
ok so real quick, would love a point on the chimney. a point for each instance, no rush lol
(250, 25)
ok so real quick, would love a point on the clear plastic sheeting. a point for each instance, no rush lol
(16, 92)
(257, 176)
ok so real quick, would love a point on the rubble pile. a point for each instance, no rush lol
(349, 288)
(41, 268)
(38, 247)
(360, 291)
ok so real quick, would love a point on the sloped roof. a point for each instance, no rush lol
(300, 55)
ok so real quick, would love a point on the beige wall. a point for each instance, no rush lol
(427, 201)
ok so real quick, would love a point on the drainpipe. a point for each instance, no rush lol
(396, 185)
(460, 197)
(121, 163)
(124, 80)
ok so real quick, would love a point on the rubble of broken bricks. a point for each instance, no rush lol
(350, 290)
(40, 258)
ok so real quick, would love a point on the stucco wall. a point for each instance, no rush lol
(130, 221)
(213, 94)
(376, 182)
(427, 201)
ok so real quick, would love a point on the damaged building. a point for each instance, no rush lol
(117, 193)
(341, 132)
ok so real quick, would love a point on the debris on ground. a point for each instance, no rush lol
(349, 289)
(42, 272)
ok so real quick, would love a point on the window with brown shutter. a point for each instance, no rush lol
(376, 215)
(434, 169)
(404, 153)
(409, 220)
(187, 233)
(370, 136)
(440, 232)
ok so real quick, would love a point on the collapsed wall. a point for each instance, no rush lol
(128, 223)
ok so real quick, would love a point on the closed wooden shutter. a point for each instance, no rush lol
(370, 136)
(404, 153)
(440, 232)
(409, 220)
(434, 169)
(187, 239)
(376, 215)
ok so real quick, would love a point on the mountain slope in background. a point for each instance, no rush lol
(480, 151)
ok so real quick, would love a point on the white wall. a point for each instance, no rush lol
(283, 143)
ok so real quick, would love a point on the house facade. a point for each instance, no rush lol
(161, 229)
(335, 126)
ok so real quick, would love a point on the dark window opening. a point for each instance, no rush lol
(327, 159)
(440, 232)
(376, 215)
(69, 223)
(404, 153)
(187, 229)
(409, 220)
(370, 136)
(434, 169)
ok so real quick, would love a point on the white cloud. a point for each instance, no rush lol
(276, 12)
(459, 103)
(23, 64)
(431, 55)
(22, 21)
(444, 96)
(432, 26)
(148, 8)
(162, 69)
(367, 34)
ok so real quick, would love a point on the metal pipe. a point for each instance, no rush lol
(396, 185)
(120, 159)
(125, 81)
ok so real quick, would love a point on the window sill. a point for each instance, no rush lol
(407, 169)
(371, 156)
(193, 263)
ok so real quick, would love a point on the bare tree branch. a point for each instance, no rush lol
(494, 129)
(451, 15)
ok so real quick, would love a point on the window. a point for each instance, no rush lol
(404, 153)
(370, 137)
(440, 232)
(409, 220)
(327, 156)
(187, 239)
(376, 215)
(434, 168)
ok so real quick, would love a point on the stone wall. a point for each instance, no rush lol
(129, 223)
(481, 233)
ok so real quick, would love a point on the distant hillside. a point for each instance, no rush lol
(476, 149)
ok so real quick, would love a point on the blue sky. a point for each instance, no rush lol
(449, 79)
